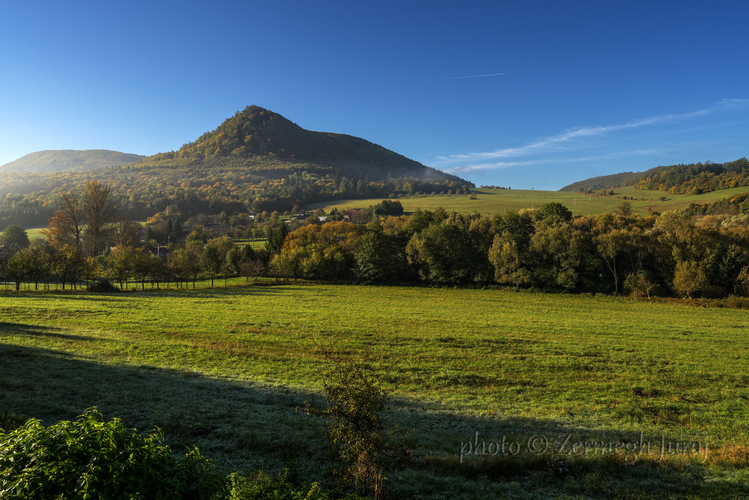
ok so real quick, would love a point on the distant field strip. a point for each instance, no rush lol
(497, 201)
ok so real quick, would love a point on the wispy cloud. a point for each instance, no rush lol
(511, 164)
(572, 140)
(466, 77)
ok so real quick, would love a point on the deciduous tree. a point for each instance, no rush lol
(14, 238)
(99, 210)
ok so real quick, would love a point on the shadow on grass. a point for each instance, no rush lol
(40, 331)
(246, 426)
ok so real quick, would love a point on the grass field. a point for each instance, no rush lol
(225, 369)
(491, 201)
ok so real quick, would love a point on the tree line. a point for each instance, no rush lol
(660, 254)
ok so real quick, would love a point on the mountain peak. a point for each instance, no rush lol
(256, 134)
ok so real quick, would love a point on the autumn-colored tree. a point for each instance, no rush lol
(127, 233)
(66, 225)
(57, 231)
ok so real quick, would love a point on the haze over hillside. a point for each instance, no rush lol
(69, 160)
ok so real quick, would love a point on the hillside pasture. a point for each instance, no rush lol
(497, 201)
(226, 369)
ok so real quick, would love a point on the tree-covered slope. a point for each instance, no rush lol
(267, 142)
(695, 178)
(692, 178)
(603, 182)
(69, 161)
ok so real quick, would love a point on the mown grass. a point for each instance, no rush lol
(497, 201)
(225, 369)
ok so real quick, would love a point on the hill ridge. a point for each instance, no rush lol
(62, 160)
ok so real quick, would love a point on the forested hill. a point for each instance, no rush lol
(692, 178)
(256, 160)
(69, 161)
(695, 178)
(271, 145)
(603, 182)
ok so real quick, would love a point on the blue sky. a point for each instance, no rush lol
(515, 93)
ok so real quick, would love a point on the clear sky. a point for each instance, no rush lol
(513, 93)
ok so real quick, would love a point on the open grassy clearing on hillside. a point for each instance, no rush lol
(225, 369)
(496, 201)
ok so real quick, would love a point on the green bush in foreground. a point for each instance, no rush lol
(91, 458)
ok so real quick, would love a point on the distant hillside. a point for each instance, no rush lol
(256, 160)
(69, 160)
(691, 178)
(604, 182)
(271, 145)
(695, 178)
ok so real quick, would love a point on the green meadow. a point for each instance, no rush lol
(571, 395)
(497, 201)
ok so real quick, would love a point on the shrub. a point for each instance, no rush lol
(263, 486)
(102, 286)
(355, 403)
(638, 284)
(91, 458)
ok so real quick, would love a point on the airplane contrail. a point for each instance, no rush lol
(465, 77)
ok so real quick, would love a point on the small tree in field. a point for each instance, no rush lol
(638, 284)
(690, 278)
(366, 445)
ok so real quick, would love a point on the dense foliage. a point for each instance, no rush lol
(140, 193)
(696, 178)
(91, 458)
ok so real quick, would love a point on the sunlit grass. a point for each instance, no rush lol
(225, 368)
(498, 201)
